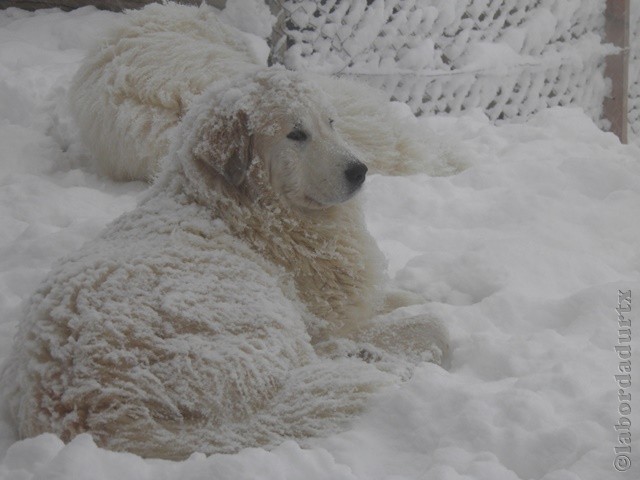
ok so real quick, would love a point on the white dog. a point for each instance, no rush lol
(136, 85)
(241, 303)
(235, 305)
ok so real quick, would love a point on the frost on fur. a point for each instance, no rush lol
(137, 84)
(221, 313)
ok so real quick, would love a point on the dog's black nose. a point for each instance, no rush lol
(356, 173)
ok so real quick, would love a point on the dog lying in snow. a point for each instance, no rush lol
(138, 83)
(241, 303)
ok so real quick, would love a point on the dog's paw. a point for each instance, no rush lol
(421, 338)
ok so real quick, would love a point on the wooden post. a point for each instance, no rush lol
(617, 68)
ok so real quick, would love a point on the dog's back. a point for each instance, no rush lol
(137, 83)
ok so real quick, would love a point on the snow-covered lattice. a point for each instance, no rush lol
(634, 73)
(507, 57)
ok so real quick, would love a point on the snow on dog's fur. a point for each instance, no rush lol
(241, 303)
(136, 84)
(140, 80)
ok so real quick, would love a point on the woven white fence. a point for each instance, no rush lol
(509, 58)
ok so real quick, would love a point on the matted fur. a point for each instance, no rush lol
(134, 87)
(220, 313)
(137, 83)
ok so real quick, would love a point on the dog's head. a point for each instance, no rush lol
(277, 125)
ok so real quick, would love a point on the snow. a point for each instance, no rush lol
(257, 24)
(523, 253)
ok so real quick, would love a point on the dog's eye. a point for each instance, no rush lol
(297, 135)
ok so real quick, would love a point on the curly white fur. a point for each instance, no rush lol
(243, 301)
(219, 313)
(136, 85)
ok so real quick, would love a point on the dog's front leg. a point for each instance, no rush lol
(397, 298)
(417, 338)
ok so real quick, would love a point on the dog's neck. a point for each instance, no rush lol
(335, 263)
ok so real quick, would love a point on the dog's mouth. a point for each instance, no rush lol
(314, 204)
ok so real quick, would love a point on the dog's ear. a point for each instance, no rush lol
(241, 151)
(227, 147)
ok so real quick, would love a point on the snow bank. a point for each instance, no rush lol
(523, 253)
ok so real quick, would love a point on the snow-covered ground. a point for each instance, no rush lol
(523, 253)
